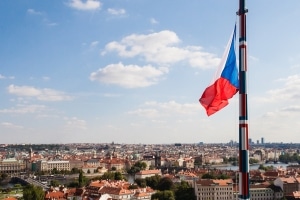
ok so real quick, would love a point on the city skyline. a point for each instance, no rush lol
(94, 71)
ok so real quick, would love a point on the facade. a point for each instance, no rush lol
(12, 166)
(287, 184)
(116, 190)
(43, 165)
(89, 169)
(147, 173)
(117, 163)
(189, 163)
(76, 164)
(265, 192)
(92, 162)
(209, 189)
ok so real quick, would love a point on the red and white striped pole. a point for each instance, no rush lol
(243, 110)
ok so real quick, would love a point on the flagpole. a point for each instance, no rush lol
(243, 107)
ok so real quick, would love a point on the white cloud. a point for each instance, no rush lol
(46, 78)
(253, 58)
(45, 94)
(153, 21)
(52, 24)
(33, 12)
(161, 47)
(116, 11)
(278, 122)
(146, 112)
(75, 123)
(111, 95)
(10, 125)
(296, 66)
(94, 44)
(174, 107)
(155, 109)
(85, 4)
(283, 113)
(128, 76)
(43, 15)
(24, 109)
(4, 77)
(289, 92)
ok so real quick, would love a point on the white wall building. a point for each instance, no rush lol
(209, 189)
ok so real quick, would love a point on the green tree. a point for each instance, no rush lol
(141, 182)
(208, 176)
(113, 168)
(81, 179)
(112, 176)
(253, 161)
(73, 184)
(265, 168)
(163, 195)
(108, 176)
(3, 176)
(138, 166)
(133, 170)
(141, 165)
(133, 187)
(54, 183)
(39, 173)
(75, 170)
(295, 158)
(225, 160)
(184, 191)
(153, 181)
(54, 171)
(31, 192)
(286, 158)
(17, 186)
(232, 159)
(151, 167)
(223, 176)
(165, 183)
(118, 176)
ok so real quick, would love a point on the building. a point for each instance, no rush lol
(118, 164)
(189, 163)
(214, 189)
(92, 162)
(59, 165)
(265, 192)
(12, 166)
(116, 190)
(287, 184)
(76, 164)
(147, 173)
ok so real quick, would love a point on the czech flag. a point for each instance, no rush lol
(225, 83)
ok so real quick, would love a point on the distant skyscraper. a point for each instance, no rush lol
(250, 141)
(262, 140)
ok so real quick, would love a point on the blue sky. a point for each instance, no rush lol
(132, 71)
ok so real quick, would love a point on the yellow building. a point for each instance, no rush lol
(12, 166)
(210, 189)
